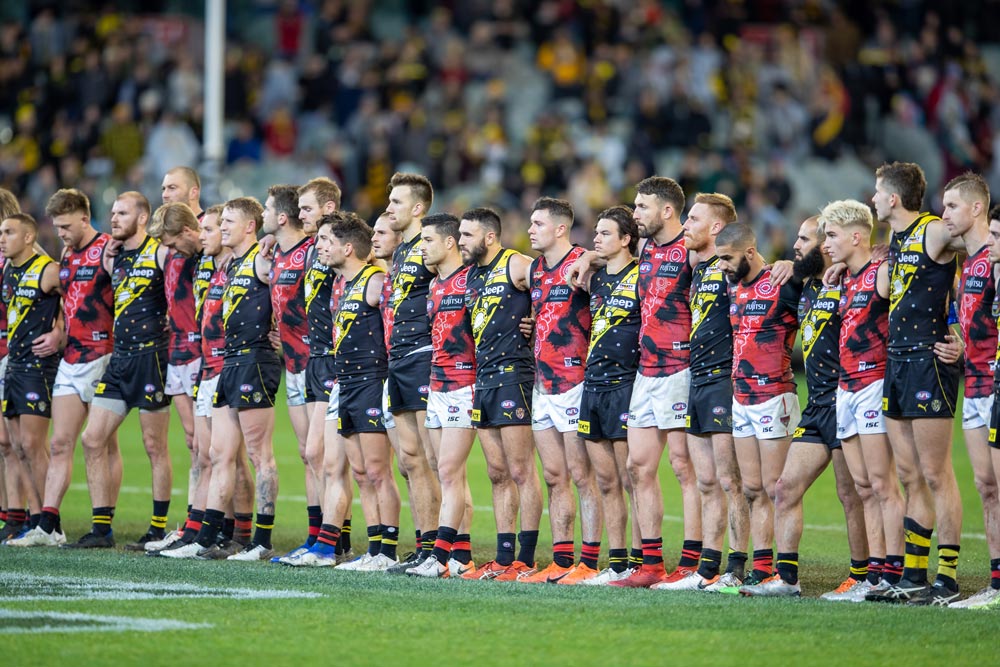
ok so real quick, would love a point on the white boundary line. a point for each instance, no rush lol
(89, 623)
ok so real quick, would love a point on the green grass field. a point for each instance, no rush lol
(100, 607)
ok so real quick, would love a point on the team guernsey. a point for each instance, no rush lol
(864, 330)
(820, 323)
(140, 300)
(764, 321)
(976, 294)
(453, 363)
(664, 288)
(88, 308)
(3, 319)
(318, 291)
(178, 276)
(711, 330)
(361, 358)
(209, 311)
(288, 302)
(410, 284)
(562, 325)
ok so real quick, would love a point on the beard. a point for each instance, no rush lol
(810, 264)
(476, 253)
(741, 272)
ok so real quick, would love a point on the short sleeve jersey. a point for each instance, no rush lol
(562, 324)
(665, 289)
(88, 302)
(764, 318)
(613, 355)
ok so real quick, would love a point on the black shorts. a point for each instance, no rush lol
(28, 391)
(409, 382)
(361, 408)
(920, 388)
(248, 386)
(509, 405)
(819, 425)
(604, 414)
(136, 379)
(320, 376)
(710, 407)
(995, 419)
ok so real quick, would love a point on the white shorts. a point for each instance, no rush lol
(976, 412)
(182, 378)
(78, 379)
(449, 409)
(660, 401)
(860, 412)
(204, 398)
(332, 405)
(295, 389)
(559, 411)
(387, 419)
(776, 418)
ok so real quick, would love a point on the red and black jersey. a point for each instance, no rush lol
(711, 330)
(976, 293)
(919, 289)
(140, 299)
(864, 329)
(496, 306)
(3, 317)
(185, 338)
(410, 282)
(453, 359)
(613, 354)
(665, 289)
(288, 301)
(88, 302)
(385, 307)
(318, 292)
(819, 320)
(562, 325)
(213, 334)
(360, 353)
(764, 317)
(31, 312)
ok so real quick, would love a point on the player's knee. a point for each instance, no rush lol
(708, 485)
(608, 483)
(752, 489)
(59, 446)
(987, 489)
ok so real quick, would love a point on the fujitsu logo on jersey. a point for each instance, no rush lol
(84, 273)
(861, 300)
(288, 277)
(756, 307)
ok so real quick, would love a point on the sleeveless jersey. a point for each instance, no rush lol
(360, 352)
(318, 292)
(819, 320)
(3, 318)
(453, 359)
(562, 325)
(918, 293)
(711, 330)
(140, 299)
(202, 283)
(503, 356)
(246, 312)
(976, 293)
(30, 311)
(764, 319)
(385, 307)
(185, 337)
(88, 302)
(411, 280)
(996, 359)
(613, 354)
(664, 289)
(213, 335)
(288, 302)
(864, 329)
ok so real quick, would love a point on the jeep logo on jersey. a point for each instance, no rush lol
(373, 412)
(871, 414)
(922, 395)
(507, 405)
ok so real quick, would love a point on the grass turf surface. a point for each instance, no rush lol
(404, 621)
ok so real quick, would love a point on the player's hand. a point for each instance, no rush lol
(950, 351)
(834, 274)
(579, 272)
(527, 326)
(275, 339)
(47, 344)
(781, 272)
(267, 243)
(113, 247)
(880, 252)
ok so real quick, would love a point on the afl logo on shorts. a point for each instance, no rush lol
(453, 409)
(871, 414)
(243, 387)
(572, 412)
(676, 255)
(507, 405)
(677, 407)
(424, 389)
(328, 384)
(922, 395)
(766, 419)
(373, 412)
(31, 396)
(149, 388)
(718, 410)
(645, 267)
(623, 417)
(94, 253)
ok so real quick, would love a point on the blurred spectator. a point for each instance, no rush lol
(122, 141)
(245, 146)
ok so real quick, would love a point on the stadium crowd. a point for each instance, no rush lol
(414, 337)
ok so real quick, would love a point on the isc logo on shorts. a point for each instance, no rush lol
(583, 427)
